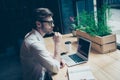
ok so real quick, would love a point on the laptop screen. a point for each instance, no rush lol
(83, 47)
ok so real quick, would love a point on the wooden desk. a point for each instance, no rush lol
(103, 66)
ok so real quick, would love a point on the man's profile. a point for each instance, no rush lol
(35, 58)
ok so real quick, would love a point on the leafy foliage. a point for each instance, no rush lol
(86, 22)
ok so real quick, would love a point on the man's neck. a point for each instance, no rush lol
(41, 32)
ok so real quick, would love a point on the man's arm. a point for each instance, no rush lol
(57, 38)
(43, 57)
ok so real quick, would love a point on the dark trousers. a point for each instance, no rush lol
(48, 76)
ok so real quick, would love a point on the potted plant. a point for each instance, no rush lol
(98, 32)
(73, 26)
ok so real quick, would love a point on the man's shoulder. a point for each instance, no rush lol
(33, 35)
(32, 38)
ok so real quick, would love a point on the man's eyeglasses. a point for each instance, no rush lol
(49, 22)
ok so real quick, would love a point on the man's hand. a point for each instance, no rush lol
(57, 37)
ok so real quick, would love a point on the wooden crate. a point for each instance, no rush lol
(101, 44)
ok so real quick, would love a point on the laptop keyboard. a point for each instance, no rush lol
(76, 58)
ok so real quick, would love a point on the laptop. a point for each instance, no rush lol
(82, 54)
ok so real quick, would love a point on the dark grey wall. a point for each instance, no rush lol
(86, 5)
(67, 10)
(15, 17)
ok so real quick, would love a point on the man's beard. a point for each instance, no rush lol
(47, 31)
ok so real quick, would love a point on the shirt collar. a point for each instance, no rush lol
(39, 36)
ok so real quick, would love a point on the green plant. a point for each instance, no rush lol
(73, 25)
(86, 22)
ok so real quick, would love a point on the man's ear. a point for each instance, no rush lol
(38, 24)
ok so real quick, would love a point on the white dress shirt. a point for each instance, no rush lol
(35, 58)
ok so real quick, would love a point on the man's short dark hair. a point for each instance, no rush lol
(41, 13)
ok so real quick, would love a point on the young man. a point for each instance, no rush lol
(35, 58)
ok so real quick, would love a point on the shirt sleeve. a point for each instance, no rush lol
(42, 56)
